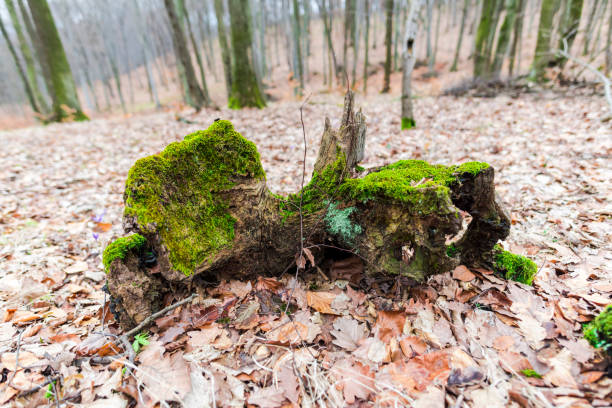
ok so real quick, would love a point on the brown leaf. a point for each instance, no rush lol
(356, 380)
(166, 378)
(412, 346)
(503, 343)
(348, 333)
(269, 397)
(321, 301)
(463, 274)
(389, 325)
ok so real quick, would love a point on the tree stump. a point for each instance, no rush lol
(200, 211)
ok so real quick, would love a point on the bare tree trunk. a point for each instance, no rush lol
(245, 89)
(192, 92)
(432, 61)
(388, 44)
(588, 29)
(297, 34)
(24, 79)
(485, 27)
(26, 53)
(412, 28)
(609, 46)
(328, 30)
(66, 103)
(543, 53)
(196, 51)
(367, 46)
(504, 37)
(518, 35)
(223, 44)
(466, 5)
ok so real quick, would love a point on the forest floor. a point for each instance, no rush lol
(464, 338)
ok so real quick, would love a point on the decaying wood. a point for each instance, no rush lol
(390, 234)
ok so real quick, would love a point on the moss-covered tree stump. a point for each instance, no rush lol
(200, 210)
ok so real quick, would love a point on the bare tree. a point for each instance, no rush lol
(410, 36)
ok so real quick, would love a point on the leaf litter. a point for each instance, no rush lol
(325, 339)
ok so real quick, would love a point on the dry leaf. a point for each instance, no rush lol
(348, 333)
(463, 274)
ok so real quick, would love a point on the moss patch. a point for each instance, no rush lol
(174, 193)
(514, 267)
(119, 248)
(408, 123)
(339, 223)
(451, 250)
(599, 331)
(531, 373)
(422, 187)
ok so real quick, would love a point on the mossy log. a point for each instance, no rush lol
(202, 212)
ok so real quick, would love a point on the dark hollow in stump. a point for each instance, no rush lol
(200, 210)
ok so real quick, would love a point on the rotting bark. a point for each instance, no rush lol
(201, 212)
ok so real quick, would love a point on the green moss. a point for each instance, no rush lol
(175, 192)
(451, 250)
(408, 123)
(531, 373)
(322, 187)
(119, 248)
(421, 186)
(514, 267)
(338, 222)
(599, 331)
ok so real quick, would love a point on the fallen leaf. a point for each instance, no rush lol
(348, 333)
(321, 301)
(463, 274)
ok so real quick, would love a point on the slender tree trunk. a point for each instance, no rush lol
(193, 92)
(569, 29)
(429, 10)
(412, 27)
(297, 34)
(503, 39)
(26, 53)
(66, 103)
(196, 51)
(26, 84)
(328, 30)
(432, 61)
(466, 5)
(388, 44)
(223, 44)
(481, 56)
(543, 53)
(588, 29)
(38, 51)
(357, 34)
(518, 34)
(367, 46)
(609, 46)
(245, 89)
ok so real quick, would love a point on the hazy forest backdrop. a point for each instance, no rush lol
(407, 284)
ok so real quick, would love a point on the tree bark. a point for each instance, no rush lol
(388, 43)
(328, 30)
(485, 27)
(408, 60)
(26, 52)
(66, 105)
(543, 54)
(297, 33)
(201, 212)
(367, 46)
(504, 37)
(22, 75)
(196, 51)
(245, 89)
(518, 35)
(223, 44)
(466, 5)
(192, 92)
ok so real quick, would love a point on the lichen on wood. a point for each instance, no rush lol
(204, 209)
